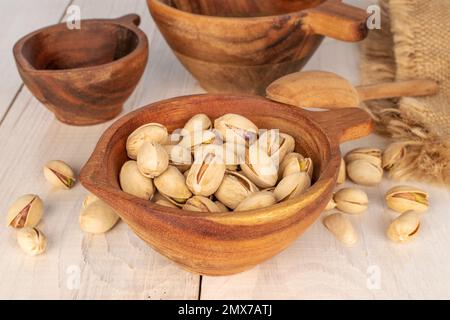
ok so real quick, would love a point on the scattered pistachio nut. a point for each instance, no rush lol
(372, 155)
(342, 175)
(393, 154)
(26, 211)
(364, 173)
(59, 174)
(90, 198)
(404, 228)
(257, 200)
(351, 200)
(97, 218)
(151, 132)
(200, 204)
(234, 189)
(32, 241)
(406, 198)
(237, 129)
(133, 182)
(152, 159)
(172, 185)
(292, 186)
(199, 122)
(341, 228)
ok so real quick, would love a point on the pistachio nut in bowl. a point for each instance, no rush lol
(221, 243)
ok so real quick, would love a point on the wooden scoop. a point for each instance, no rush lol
(322, 89)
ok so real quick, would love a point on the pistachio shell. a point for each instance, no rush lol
(198, 138)
(393, 154)
(59, 174)
(257, 200)
(200, 204)
(292, 186)
(295, 163)
(90, 198)
(371, 155)
(259, 167)
(406, 198)
(331, 205)
(233, 154)
(166, 203)
(341, 228)
(97, 218)
(199, 122)
(342, 173)
(236, 128)
(174, 138)
(134, 183)
(404, 228)
(206, 174)
(364, 173)
(32, 241)
(172, 184)
(152, 160)
(26, 211)
(351, 200)
(221, 206)
(276, 144)
(179, 157)
(151, 132)
(234, 189)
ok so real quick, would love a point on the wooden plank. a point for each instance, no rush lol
(76, 265)
(18, 18)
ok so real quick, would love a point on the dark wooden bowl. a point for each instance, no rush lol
(241, 46)
(225, 243)
(84, 76)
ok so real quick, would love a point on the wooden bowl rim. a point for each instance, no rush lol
(328, 175)
(141, 46)
(206, 18)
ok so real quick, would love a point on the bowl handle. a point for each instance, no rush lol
(129, 19)
(338, 20)
(344, 124)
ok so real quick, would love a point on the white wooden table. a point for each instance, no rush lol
(119, 265)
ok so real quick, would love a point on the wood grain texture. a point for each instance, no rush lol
(242, 54)
(84, 76)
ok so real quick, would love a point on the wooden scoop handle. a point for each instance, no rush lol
(410, 88)
(129, 19)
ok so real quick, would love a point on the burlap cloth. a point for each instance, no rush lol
(413, 43)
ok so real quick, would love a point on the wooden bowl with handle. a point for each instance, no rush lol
(226, 243)
(241, 46)
(84, 76)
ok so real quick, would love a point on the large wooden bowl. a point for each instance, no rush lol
(84, 76)
(225, 243)
(241, 46)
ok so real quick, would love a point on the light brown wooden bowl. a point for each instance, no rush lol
(225, 243)
(84, 76)
(241, 46)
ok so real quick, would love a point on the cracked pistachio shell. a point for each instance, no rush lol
(351, 200)
(341, 228)
(276, 144)
(152, 159)
(90, 198)
(200, 204)
(404, 228)
(134, 183)
(26, 211)
(221, 206)
(295, 163)
(364, 173)
(237, 129)
(174, 138)
(393, 154)
(234, 189)
(292, 186)
(97, 218)
(172, 184)
(59, 174)
(233, 153)
(206, 174)
(372, 155)
(195, 139)
(151, 132)
(166, 203)
(32, 241)
(259, 167)
(331, 205)
(199, 122)
(342, 175)
(179, 157)
(257, 200)
(405, 198)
